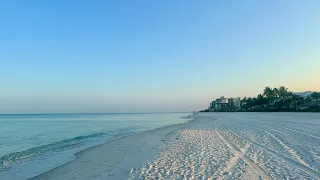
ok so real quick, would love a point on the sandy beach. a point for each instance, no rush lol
(115, 159)
(211, 146)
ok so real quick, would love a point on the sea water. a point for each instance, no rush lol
(31, 144)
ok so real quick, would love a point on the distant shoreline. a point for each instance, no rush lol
(91, 113)
(309, 110)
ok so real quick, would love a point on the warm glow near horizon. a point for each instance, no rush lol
(155, 56)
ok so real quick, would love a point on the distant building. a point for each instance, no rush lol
(225, 104)
(303, 94)
(212, 106)
(221, 104)
(222, 100)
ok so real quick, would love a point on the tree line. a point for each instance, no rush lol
(279, 98)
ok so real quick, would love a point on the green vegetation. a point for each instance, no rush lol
(271, 100)
(281, 99)
(206, 110)
(315, 96)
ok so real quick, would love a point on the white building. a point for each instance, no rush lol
(225, 104)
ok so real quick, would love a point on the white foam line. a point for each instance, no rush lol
(238, 153)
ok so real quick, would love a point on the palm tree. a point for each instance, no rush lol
(269, 94)
(261, 100)
(244, 99)
(243, 103)
(283, 91)
(275, 93)
(295, 99)
(250, 103)
(315, 96)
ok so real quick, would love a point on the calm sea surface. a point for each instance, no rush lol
(33, 144)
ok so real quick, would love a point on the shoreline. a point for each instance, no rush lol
(78, 154)
(259, 112)
(210, 146)
(114, 172)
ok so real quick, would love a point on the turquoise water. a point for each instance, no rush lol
(33, 144)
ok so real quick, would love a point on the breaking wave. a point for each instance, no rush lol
(9, 159)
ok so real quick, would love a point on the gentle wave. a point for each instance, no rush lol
(9, 159)
(85, 131)
(191, 116)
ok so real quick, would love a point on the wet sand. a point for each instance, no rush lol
(115, 159)
(211, 146)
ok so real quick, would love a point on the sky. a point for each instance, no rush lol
(152, 56)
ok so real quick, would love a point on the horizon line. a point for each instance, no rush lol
(95, 113)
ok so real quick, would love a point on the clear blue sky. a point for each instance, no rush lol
(147, 56)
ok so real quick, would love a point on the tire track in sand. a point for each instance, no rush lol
(228, 167)
(231, 162)
(286, 147)
(247, 160)
(289, 150)
(295, 163)
(302, 133)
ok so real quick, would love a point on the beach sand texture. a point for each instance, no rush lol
(212, 146)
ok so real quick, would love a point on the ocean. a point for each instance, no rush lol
(31, 144)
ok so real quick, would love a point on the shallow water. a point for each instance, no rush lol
(32, 144)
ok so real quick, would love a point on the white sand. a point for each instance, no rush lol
(113, 160)
(213, 146)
